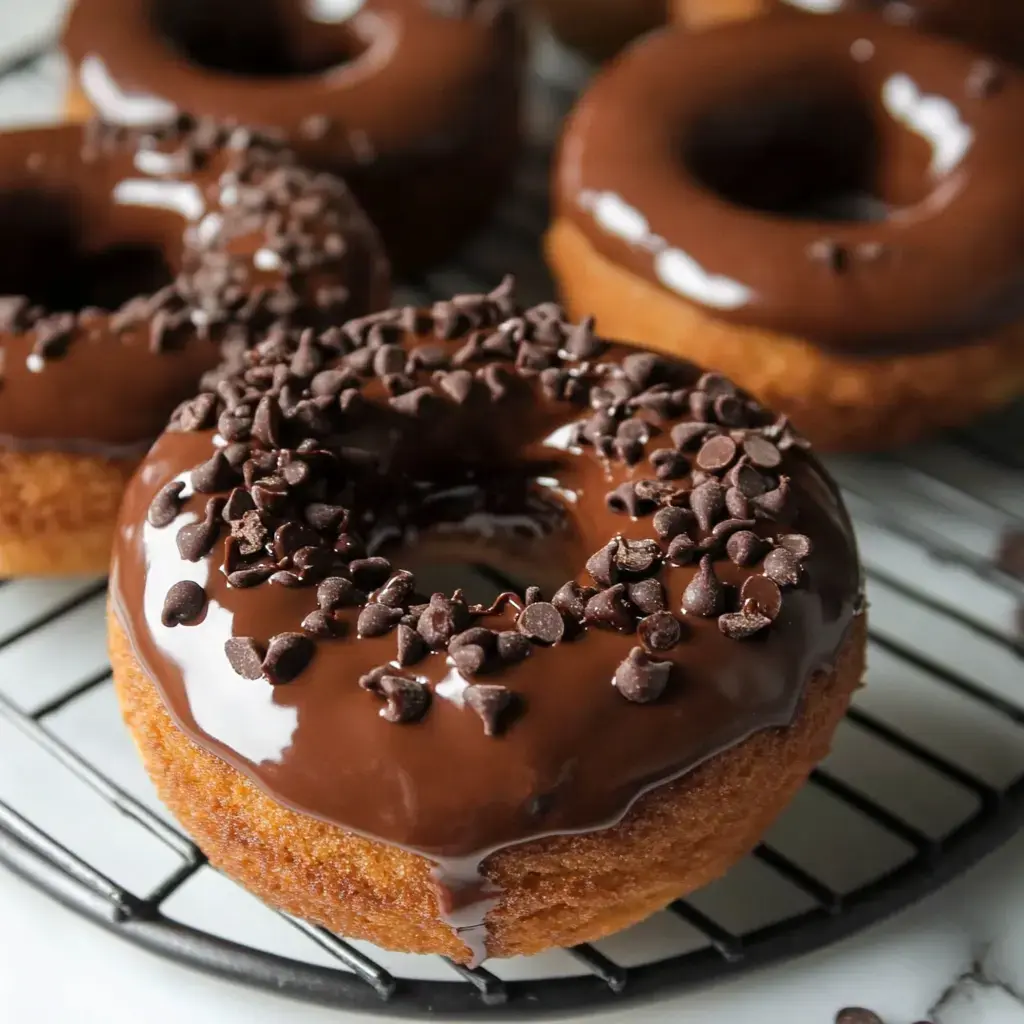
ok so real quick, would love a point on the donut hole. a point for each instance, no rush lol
(807, 150)
(253, 38)
(54, 267)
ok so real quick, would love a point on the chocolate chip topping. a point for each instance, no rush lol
(290, 509)
(640, 679)
(184, 604)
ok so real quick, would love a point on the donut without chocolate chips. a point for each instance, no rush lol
(414, 102)
(995, 27)
(826, 210)
(138, 261)
(440, 776)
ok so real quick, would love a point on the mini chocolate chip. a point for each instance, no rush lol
(610, 609)
(458, 385)
(235, 424)
(398, 590)
(250, 532)
(542, 623)
(407, 699)
(184, 604)
(625, 500)
(729, 411)
(783, 567)
(745, 623)
(640, 679)
(437, 623)
(744, 547)
(796, 543)
(699, 403)
(761, 452)
(269, 499)
(581, 342)
(682, 550)
(532, 595)
(668, 463)
(513, 646)
(716, 454)
(368, 573)
(746, 479)
(715, 384)
(736, 504)
(704, 595)
(659, 631)
(685, 436)
(708, 503)
(286, 578)
(765, 593)
(637, 557)
(245, 656)
(647, 595)
(669, 522)
(417, 402)
(571, 600)
(250, 576)
(164, 508)
(490, 702)
(469, 659)
(213, 475)
(377, 619)
(196, 539)
(291, 537)
(774, 504)
(337, 592)
(321, 516)
(321, 624)
(727, 527)
(601, 565)
(266, 423)
(389, 359)
(644, 368)
(349, 548)
(239, 502)
(655, 492)
(411, 647)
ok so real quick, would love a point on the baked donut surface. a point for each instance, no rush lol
(411, 743)
(827, 202)
(414, 103)
(996, 27)
(140, 258)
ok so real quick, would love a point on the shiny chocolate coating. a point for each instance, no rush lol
(139, 221)
(414, 103)
(996, 27)
(838, 179)
(577, 752)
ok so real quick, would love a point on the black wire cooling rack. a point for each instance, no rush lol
(930, 761)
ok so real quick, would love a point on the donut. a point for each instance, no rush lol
(413, 102)
(600, 28)
(825, 210)
(490, 776)
(993, 26)
(141, 261)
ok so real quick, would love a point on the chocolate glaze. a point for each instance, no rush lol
(576, 753)
(75, 198)
(600, 28)
(414, 103)
(993, 26)
(757, 149)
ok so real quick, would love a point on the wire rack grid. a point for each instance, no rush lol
(926, 775)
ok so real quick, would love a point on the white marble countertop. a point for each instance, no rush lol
(955, 958)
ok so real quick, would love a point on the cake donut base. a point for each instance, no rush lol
(841, 403)
(554, 892)
(57, 512)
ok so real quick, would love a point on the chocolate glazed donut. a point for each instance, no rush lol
(414, 102)
(827, 210)
(995, 27)
(141, 260)
(397, 764)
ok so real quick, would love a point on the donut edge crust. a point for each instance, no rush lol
(58, 512)
(840, 403)
(555, 892)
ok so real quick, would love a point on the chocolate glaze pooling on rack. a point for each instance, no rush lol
(712, 571)
(141, 254)
(838, 179)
